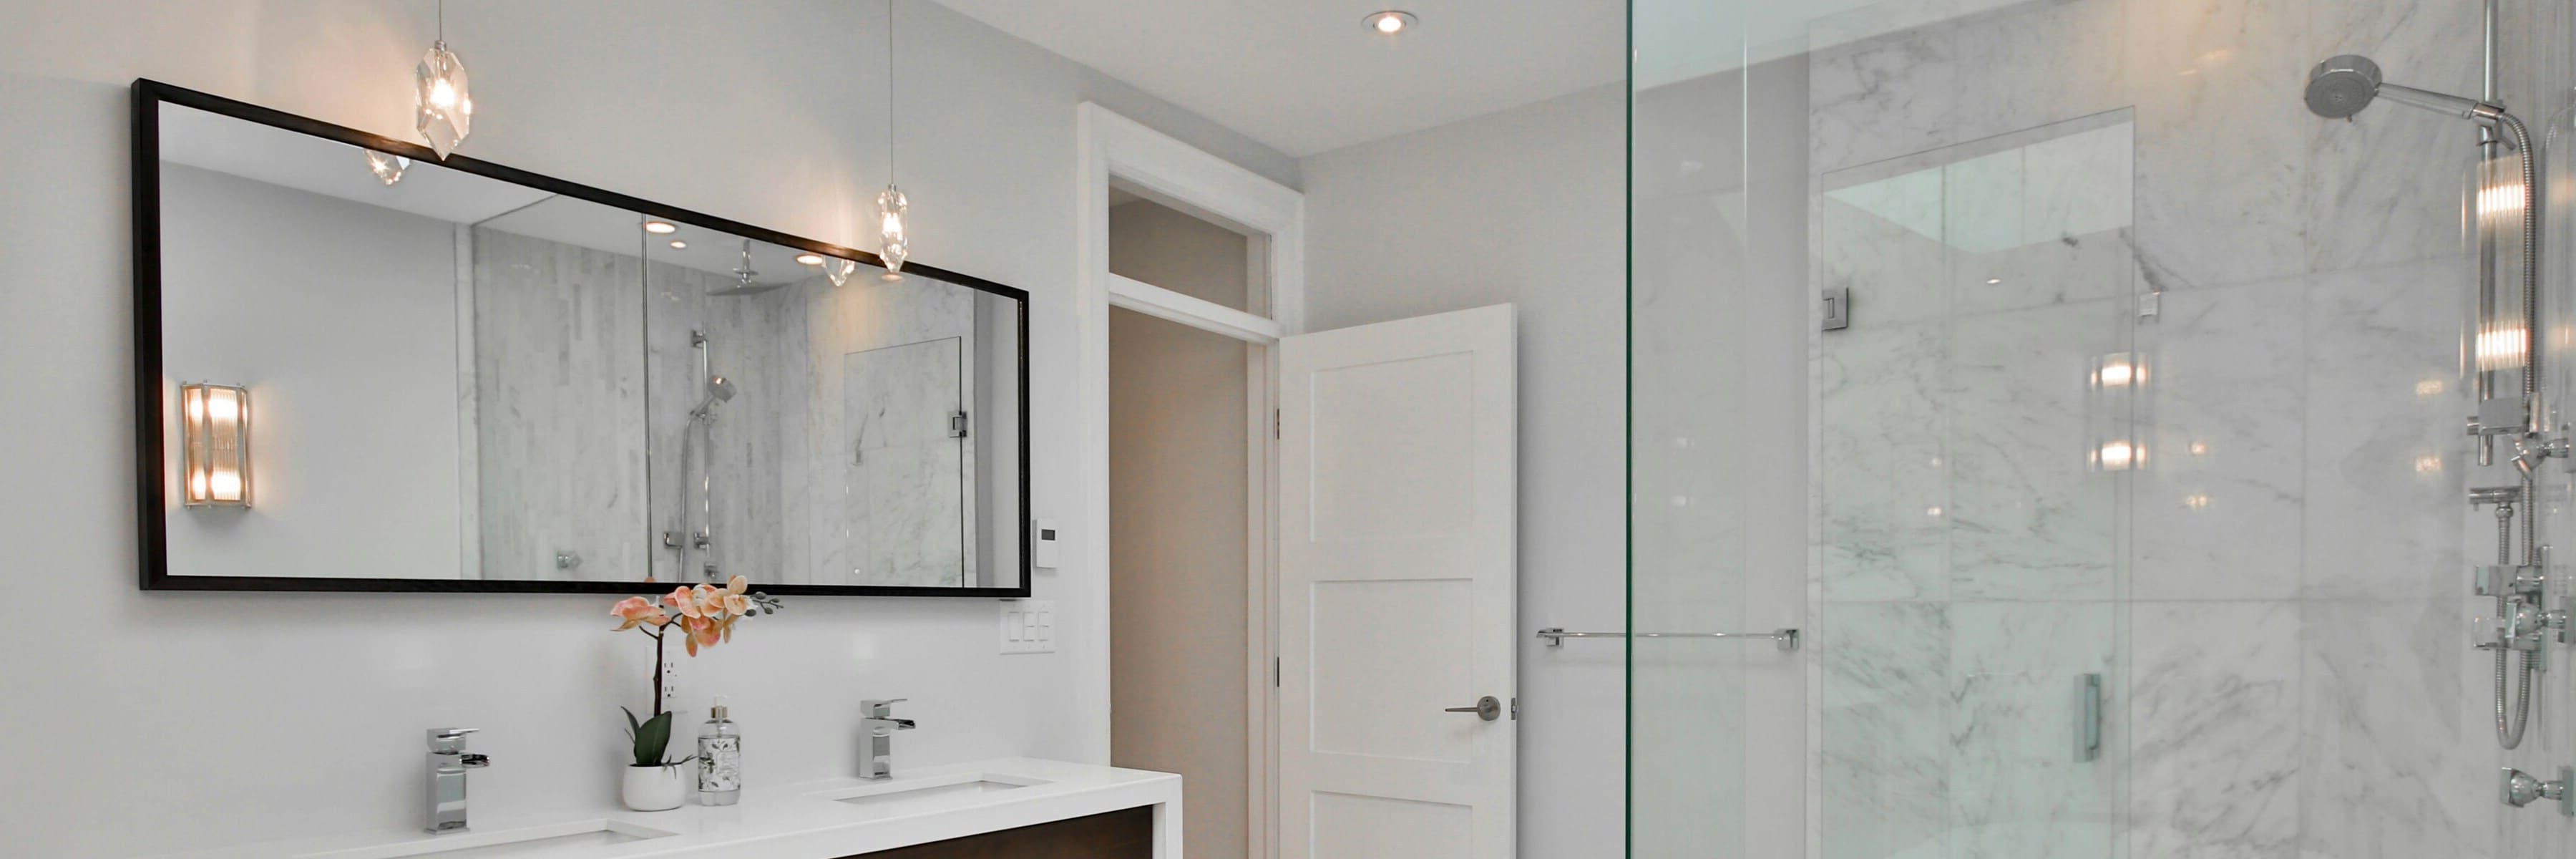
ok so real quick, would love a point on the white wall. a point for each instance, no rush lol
(1525, 206)
(165, 719)
(351, 458)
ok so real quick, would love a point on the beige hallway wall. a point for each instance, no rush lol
(1177, 525)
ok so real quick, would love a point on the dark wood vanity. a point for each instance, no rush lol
(1123, 834)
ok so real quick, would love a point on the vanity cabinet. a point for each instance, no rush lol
(1123, 834)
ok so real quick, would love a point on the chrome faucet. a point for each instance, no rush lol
(448, 764)
(881, 725)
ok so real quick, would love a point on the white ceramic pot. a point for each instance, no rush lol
(655, 788)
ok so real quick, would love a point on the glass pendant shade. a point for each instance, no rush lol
(388, 168)
(446, 107)
(214, 423)
(891, 206)
(838, 269)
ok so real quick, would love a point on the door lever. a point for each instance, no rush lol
(1487, 708)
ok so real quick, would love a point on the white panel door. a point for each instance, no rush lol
(1397, 490)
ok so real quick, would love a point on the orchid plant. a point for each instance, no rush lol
(705, 616)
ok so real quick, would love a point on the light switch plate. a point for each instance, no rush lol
(1028, 626)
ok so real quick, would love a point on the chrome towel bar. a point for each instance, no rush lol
(1787, 639)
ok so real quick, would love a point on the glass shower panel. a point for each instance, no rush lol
(1972, 429)
(2139, 510)
(1690, 245)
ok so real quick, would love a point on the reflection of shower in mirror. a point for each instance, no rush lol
(742, 276)
(697, 449)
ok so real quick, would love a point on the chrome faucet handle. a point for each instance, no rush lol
(2520, 789)
(881, 707)
(449, 741)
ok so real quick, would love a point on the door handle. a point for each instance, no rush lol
(2088, 717)
(1486, 708)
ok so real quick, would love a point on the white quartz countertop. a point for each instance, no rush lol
(798, 821)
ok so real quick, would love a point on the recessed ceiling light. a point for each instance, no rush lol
(809, 259)
(1389, 22)
(676, 244)
(660, 227)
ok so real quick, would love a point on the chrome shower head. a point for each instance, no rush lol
(719, 389)
(2343, 85)
(742, 275)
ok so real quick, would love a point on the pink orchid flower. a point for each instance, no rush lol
(637, 611)
(731, 599)
(680, 600)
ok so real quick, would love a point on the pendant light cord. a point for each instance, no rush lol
(442, 22)
(889, 91)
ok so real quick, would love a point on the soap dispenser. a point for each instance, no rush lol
(719, 758)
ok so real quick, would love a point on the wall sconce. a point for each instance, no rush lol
(214, 420)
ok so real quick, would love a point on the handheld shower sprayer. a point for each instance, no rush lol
(719, 390)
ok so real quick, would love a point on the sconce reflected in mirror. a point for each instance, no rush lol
(215, 424)
(2112, 385)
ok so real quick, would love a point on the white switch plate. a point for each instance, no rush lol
(1028, 626)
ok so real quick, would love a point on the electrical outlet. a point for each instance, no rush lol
(670, 683)
(1028, 626)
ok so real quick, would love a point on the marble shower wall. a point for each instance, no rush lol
(755, 341)
(889, 494)
(1971, 562)
(559, 387)
(2277, 591)
(831, 464)
(2541, 67)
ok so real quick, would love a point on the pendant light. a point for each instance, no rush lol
(388, 168)
(446, 108)
(892, 247)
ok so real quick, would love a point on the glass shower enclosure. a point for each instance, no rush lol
(2096, 411)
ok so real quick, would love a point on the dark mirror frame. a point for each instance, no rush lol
(150, 422)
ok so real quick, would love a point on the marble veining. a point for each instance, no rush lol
(585, 378)
(2385, 452)
(2215, 708)
(560, 393)
(2224, 409)
(904, 520)
(2276, 591)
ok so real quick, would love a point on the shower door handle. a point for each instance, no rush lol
(2088, 717)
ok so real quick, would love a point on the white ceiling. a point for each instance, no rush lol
(1307, 76)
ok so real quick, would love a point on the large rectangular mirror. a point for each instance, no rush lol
(362, 368)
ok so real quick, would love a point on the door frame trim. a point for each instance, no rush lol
(1116, 151)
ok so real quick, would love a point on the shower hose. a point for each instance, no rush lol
(2510, 723)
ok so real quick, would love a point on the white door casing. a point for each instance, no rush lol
(1397, 583)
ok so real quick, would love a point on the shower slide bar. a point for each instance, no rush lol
(1787, 639)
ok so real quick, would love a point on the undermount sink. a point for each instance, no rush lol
(504, 843)
(908, 794)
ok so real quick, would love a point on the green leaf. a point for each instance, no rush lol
(653, 740)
